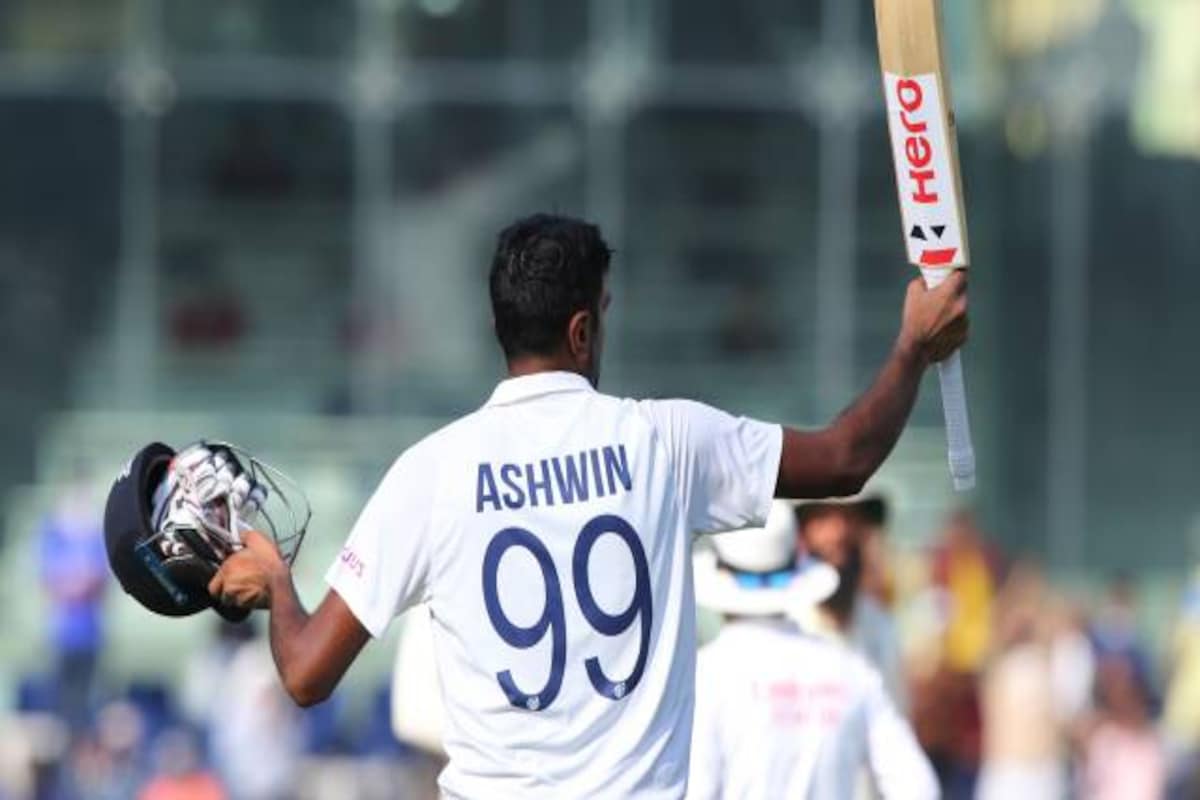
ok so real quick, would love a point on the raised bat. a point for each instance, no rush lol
(925, 152)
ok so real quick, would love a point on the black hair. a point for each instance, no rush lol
(546, 268)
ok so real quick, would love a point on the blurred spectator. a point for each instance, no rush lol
(179, 773)
(205, 674)
(1181, 712)
(1123, 758)
(74, 570)
(1115, 633)
(32, 747)
(947, 718)
(877, 578)
(780, 713)
(256, 731)
(967, 570)
(834, 532)
(947, 712)
(1024, 740)
(105, 763)
(1072, 663)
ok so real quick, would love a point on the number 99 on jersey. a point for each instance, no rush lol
(553, 620)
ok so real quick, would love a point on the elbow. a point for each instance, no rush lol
(307, 696)
(852, 469)
(833, 462)
(847, 485)
(306, 691)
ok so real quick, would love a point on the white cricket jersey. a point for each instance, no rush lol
(781, 714)
(550, 534)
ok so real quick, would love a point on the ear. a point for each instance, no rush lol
(579, 336)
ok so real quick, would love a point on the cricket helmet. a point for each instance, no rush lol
(173, 517)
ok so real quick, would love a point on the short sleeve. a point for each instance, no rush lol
(726, 466)
(384, 567)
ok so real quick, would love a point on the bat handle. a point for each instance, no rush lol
(958, 423)
(954, 407)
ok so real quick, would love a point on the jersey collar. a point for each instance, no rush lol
(516, 390)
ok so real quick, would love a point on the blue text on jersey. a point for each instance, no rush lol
(572, 478)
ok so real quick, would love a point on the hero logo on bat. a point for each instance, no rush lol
(928, 190)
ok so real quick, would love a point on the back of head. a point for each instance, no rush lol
(546, 268)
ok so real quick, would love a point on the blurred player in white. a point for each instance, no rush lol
(781, 713)
(836, 532)
(550, 534)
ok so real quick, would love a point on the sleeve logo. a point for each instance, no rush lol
(352, 562)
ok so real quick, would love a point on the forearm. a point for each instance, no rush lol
(872, 425)
(288, 621)
(312, 651)
(838, 460)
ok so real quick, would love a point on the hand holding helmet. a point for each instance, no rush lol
(245, 579)
(173, 519)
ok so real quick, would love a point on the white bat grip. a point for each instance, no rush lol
(954, 407)
(958, 423)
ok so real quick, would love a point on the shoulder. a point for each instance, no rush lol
(686, 423)
(450, 437)
(742, 642)
(731, 641)
(418, 464)
(863, 678)
(843, 655)
(836, 656)
(673, 411)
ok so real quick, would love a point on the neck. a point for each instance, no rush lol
(531, 365)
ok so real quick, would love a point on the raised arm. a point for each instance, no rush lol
(312, 651)
(838, 460)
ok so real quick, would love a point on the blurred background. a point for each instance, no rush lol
(269, 221)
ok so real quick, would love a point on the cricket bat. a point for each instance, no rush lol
(925, 152)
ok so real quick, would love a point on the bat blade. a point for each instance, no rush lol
(924, 139)
(922, 129)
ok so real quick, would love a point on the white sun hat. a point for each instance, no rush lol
(754, 572)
